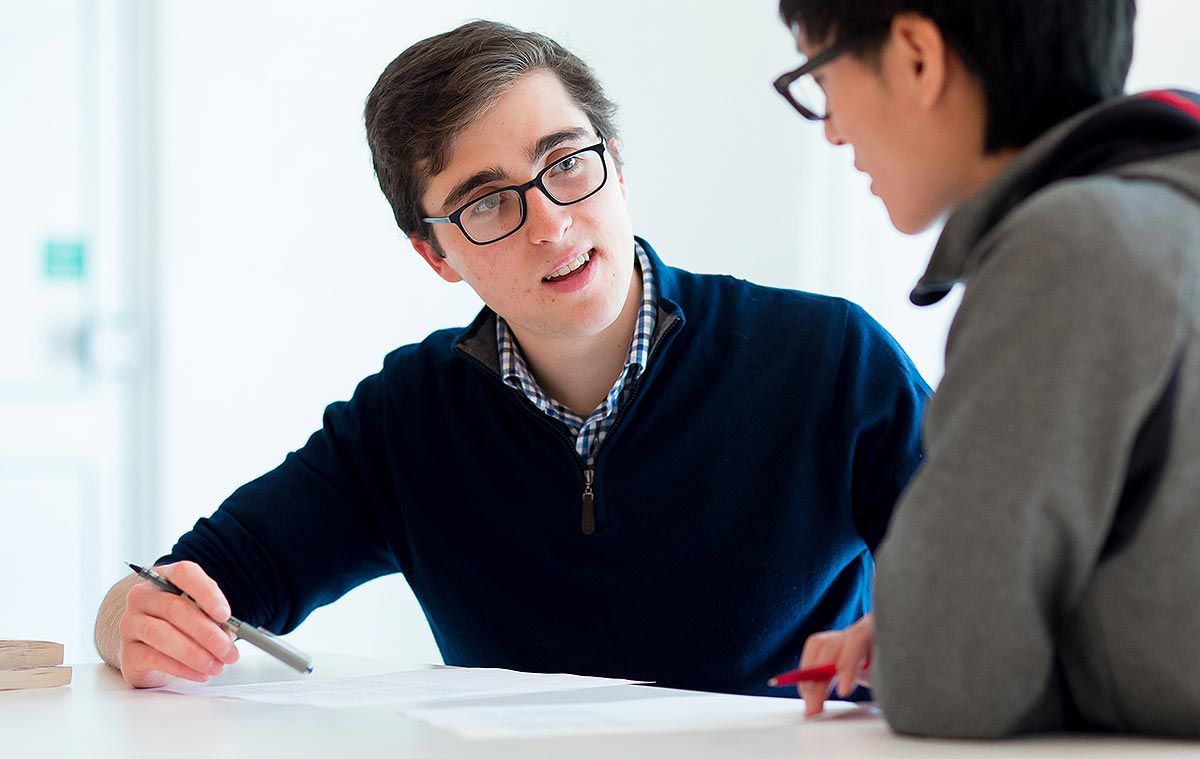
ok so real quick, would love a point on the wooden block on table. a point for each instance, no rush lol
(34, 677)
(29, 653)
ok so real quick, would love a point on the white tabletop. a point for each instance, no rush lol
(99, 716)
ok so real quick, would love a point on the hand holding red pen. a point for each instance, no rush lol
(849, 654)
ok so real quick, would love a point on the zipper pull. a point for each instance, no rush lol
(589, 502)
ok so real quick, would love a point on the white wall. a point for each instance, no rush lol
(70, 379)
(284, 279)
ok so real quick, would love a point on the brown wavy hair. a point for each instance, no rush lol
(437, 87)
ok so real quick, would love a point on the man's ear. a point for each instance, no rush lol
(917, 58)
(614, 147)
(435, 260)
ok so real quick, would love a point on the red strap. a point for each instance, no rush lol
(1175, 100)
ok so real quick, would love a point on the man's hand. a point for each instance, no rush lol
(164, 635)
(849, 650)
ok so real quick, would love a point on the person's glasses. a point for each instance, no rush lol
(800, 88)
(570, 179)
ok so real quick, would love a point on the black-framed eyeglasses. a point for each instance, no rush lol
(574, 177)
(800, 88)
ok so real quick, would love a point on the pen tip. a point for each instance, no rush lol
(134, 567)
(773, 682)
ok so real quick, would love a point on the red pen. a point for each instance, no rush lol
(810, 675)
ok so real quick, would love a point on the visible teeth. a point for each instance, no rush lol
(565, 270)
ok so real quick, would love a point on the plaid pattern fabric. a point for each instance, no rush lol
(590, 432)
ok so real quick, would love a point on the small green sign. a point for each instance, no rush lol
(65, 259)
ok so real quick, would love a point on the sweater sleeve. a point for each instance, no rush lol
(882, 396)
(310, 530)
(1062, 346)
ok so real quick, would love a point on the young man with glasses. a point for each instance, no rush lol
(1041, 569)
(619, 468)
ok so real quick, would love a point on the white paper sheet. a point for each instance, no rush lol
(666, 714)
(399, 689)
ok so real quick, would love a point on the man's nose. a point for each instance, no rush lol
(545, 220)
(831, 132)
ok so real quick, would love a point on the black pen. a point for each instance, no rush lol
(255, 636)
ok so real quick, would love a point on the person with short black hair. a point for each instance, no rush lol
(1040, 570)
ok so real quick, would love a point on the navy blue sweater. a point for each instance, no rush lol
(736, 498)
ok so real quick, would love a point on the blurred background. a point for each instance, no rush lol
(195, 258)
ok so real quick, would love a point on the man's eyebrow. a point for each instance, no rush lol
(553, 140)
(496, 174)
(464, 188)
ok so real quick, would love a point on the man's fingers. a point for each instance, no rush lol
(814, 695)
(164, 635)
(191, 579)
(849, 672)
(165, 638)
(848, 650)
(855, 655)
(186, 617)
(819, 649)
(849, 662)
(144, 667)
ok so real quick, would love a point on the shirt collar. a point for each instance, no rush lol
(515, 371)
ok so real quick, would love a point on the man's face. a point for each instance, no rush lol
(514, 276)
(913, 154)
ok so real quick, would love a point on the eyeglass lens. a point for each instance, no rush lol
(567, 181)
(809, 94)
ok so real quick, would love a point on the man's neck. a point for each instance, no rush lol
(578, 372)
(986, 169)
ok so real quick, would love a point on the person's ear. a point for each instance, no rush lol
(917, 58)
(436, 261)
(614, 147)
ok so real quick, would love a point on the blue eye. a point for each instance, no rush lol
(567, 164)
(487, 204)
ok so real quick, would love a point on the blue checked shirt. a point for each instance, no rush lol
(590, 432)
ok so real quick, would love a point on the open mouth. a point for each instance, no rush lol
(571, 269)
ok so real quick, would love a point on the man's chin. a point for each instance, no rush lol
(582, 322)
(908, 222)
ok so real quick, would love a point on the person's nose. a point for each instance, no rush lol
(831, 132)
(545, 220)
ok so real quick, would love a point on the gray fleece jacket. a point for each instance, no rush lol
(1042, 571)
